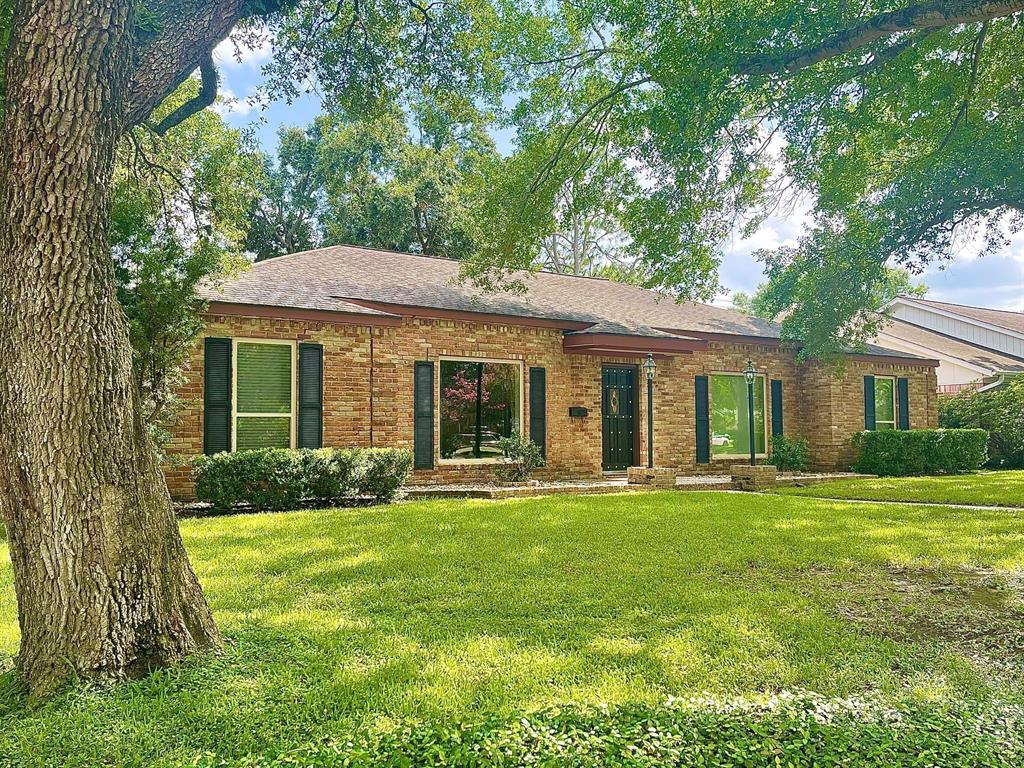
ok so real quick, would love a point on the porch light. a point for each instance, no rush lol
(750, 374)
(650, 368)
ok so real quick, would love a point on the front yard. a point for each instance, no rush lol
(453, 610)
(1002, 489)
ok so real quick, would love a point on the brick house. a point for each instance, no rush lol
(348, 346)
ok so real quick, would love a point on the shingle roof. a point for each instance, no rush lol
(1001, 318)
(948, 346)
(328, 277)
(339, 277)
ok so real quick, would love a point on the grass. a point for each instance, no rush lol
(452, 609)
(982, 488)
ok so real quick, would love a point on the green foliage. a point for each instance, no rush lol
(177, 219)
(284, 218)
(899, 452)
(1000, 411)
(797, 731)
(521, 457)
(1001, 489)
(789, 453)
(279, 479)
(368, 180)
(384, 472)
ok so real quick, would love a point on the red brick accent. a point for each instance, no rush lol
(368, 394)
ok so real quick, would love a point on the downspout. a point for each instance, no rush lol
(370, 329)
(1000, 380)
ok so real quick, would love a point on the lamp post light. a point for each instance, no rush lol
(650, 368)
(750, 374)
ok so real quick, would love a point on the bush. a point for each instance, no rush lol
(382, 473)
(277, 479)
(920, 451)
(798, 731)
(1000, 411)
(790, 453)
(521, 457)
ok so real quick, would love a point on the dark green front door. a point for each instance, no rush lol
(618, 417)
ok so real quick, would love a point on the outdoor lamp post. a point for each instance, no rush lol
(750, 374)
(650, 368)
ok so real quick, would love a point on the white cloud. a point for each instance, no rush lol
(229, 104)
(248, 50)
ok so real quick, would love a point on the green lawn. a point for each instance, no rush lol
(982, 488)
(453, 609)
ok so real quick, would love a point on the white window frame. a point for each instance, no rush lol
(437, 400)
(711, 414)
(234, 389)
(895, 403)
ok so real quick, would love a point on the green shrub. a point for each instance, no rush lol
(790, 453)
(794, 731)
(1000, 411)
(277, 479)
(920, 451)
(381, 473)
(521, 457)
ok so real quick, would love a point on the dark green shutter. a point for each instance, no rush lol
(776, 407)
(538, 409)
(423, 416)
(703, 420)
(869, 402)
(903, 402)
(216, 395)
(311, 396)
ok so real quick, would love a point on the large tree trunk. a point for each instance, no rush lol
(103, 583)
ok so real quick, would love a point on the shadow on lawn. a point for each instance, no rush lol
(446, 609)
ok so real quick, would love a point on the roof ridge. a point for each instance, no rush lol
(963, 306)
(459, 261)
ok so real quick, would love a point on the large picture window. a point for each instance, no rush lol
(264, 394)
(885, 403)
(730, 430)
(480, 404)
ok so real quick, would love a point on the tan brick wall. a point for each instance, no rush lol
(366, 405)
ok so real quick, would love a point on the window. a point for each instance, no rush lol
(885, 402)
(480, 404)
(730, 430)
(264, 394)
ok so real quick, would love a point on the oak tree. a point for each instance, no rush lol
(103, 584)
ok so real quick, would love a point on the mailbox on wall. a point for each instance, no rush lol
(578, 412)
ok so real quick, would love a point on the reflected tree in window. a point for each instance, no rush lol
(479, 406)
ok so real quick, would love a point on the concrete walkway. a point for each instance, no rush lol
(974, 507)
(607, 485)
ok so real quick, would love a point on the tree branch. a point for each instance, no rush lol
(188, 31)
(206, 96)
(924, 16)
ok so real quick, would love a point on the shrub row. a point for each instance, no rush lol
(276, 479)
(901, 452)
(999, 410)
(797, 733)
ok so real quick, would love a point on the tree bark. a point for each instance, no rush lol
(103, 583)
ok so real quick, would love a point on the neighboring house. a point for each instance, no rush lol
(975, 347)
(350, 346)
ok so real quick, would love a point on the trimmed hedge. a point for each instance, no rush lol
(790, 453)
(792, 731)
(900, 452)
(278, 479)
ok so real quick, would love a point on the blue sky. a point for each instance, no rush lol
(993, 281)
